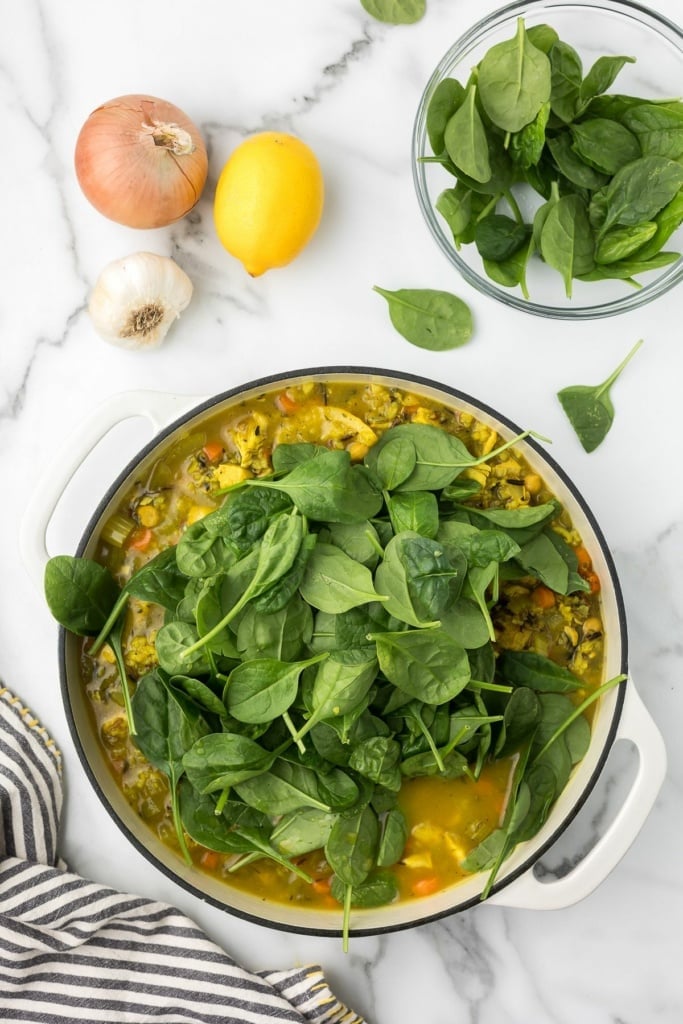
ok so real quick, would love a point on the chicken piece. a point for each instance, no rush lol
(249, 438)
(227, 474)
(328, 424)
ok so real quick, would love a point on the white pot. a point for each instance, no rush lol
(620, 713)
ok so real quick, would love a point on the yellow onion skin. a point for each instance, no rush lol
(127, 175)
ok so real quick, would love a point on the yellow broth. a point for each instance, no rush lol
(446, 818)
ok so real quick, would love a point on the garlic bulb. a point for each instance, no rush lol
(136, 299)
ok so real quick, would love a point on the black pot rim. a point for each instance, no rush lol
(378, 374)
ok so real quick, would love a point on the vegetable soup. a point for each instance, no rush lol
(359, 642)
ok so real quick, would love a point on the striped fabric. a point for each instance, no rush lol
(72, 950)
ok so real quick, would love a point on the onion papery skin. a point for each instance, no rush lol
(128, 177)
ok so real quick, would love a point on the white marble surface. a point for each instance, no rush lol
(349, 86)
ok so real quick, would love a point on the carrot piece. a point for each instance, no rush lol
(542, 596)
(210, 860)
(141, 539)
(584, 559)
(322, 886)
(425, 886)
(213, 450)
(593, 581)
(286, 403)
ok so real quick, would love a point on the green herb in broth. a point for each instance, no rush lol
(335, 673)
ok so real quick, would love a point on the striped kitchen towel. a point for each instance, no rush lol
(73, 950)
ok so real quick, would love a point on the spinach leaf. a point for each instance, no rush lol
(426, 663)
(329, 488)
(289, 785)
(376, 891)
(604, 144)
(395, 462)
(514, 81)
(167, 726)
(428, 318)
(335, 582)
(282, 635)
(416, 511)
(542, 36)
(641, 189)
(590, 409)
(498, 237)
(455, 206)
(566, 75)
(417, 578)
(529, 669)
(261, 690)
(359, 541)
(302, 831)
(377, 758)
(570, 164)
(600, 77)
(465, 139)
(620, 243)
(205, 548)
(526, 145)
(221, 760)
(396, 12)
(540, 558)
(393, 837)
(658, 130)
(445, 100)
(567, 239)
(80, 593)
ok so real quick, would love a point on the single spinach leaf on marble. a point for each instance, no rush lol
(396, 12)
(514, 81)
(431, 319)
(590, 409)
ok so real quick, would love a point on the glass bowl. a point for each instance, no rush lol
(593, 28)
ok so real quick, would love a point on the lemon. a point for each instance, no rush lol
(269, 200)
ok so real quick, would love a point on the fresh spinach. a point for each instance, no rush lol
(528, 123)
(396, 12)
(590, 409)
(430, 319)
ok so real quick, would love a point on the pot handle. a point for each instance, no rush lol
(636, 725)
(158, 407)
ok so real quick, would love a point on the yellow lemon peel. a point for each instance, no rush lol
(269, 201)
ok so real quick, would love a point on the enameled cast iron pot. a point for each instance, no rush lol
(620, 713)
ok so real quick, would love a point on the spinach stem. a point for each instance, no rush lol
(101, 637)
(579, 710)
(348, 892)
(607, 384)
(292, 728)
(221, 802)
(179, 830)
(479, 684)
(514, 206)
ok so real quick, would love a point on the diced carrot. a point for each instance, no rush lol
(141, 539)
(210, 860)
(286, 403)
(322, 886)
(584, 559)
(543, 597)
(593, 581)
(213, 450)
(425, 886)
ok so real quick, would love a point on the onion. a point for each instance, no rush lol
(141, 161)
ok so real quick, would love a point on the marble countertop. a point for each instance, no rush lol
(349, 86)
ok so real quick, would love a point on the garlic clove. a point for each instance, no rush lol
(136, 300)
